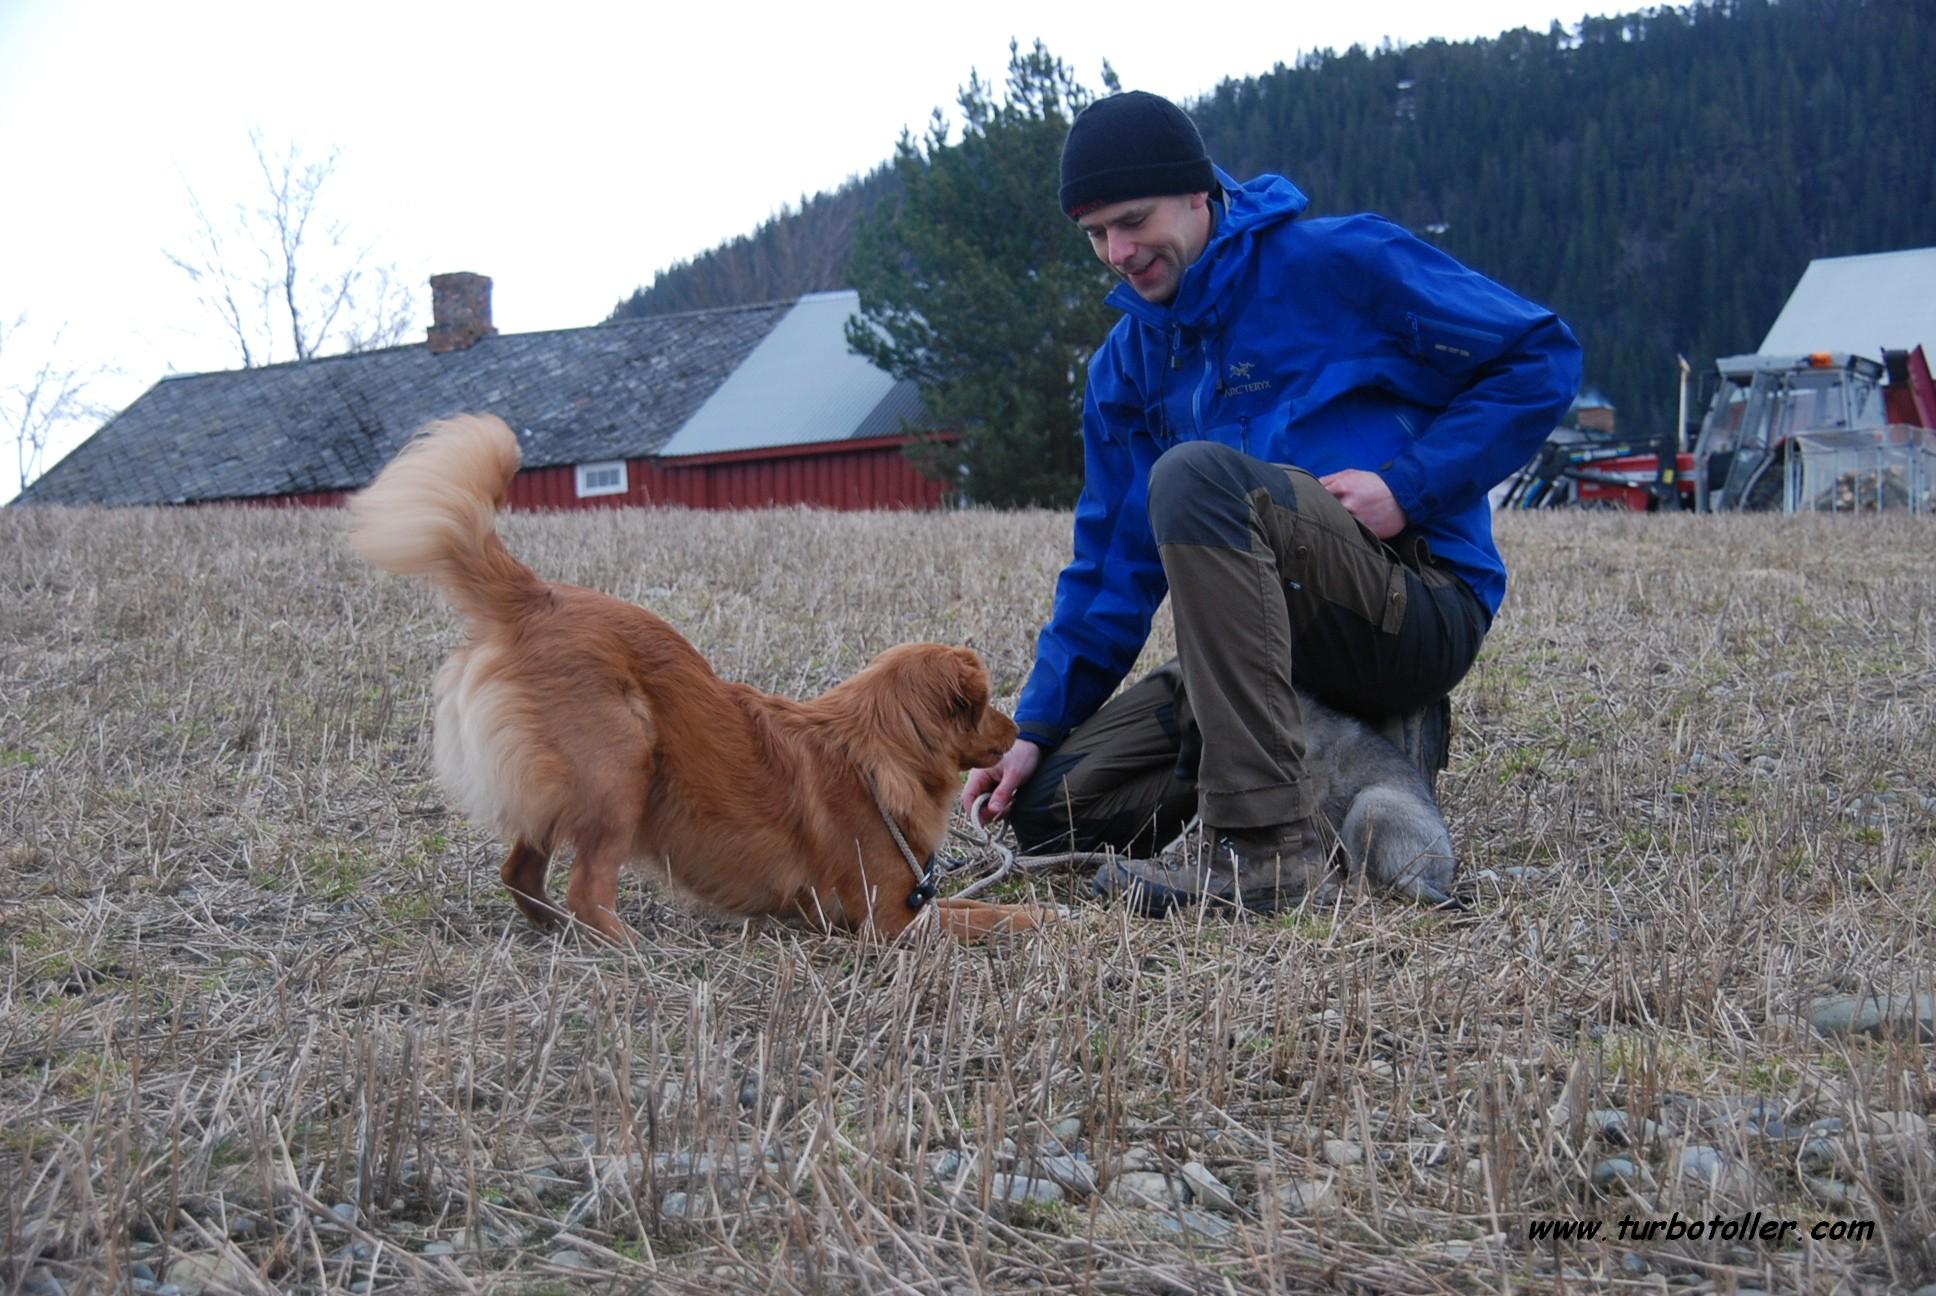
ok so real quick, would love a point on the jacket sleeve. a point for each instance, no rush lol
(1107, 596)
(1503, 369)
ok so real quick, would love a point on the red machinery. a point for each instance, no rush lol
(1761, 405)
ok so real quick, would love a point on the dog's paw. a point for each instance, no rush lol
(1035, 916)
(603, 927)
(540, 915)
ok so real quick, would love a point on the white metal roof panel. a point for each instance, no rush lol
(1859, 304)
(800, 385)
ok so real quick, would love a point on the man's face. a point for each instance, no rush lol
(1147, 242)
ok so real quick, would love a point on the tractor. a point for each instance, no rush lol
(1780, 432)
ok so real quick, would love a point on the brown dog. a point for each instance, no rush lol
(572, 716)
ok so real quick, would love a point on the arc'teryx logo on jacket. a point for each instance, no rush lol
(1239, 382)
(1360, 346)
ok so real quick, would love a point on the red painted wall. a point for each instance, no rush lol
(847, 475)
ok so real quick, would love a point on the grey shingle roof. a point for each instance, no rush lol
(613, 391)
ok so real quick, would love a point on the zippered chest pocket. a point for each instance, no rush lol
(1159, 425)
(1452, 346)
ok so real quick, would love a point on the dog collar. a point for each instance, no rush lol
(923, 877)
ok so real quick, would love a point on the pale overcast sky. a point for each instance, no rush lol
(567, 150)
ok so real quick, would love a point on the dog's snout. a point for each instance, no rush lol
(993, 736)
(1003, 728)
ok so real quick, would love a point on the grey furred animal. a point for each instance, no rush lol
(1379, 804)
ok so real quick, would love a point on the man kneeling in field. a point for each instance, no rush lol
(1291, 431)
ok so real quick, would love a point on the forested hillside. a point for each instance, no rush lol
(803, 249)
(1661, 179)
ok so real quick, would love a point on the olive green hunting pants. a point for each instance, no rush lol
(1275, 589)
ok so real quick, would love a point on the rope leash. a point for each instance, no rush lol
(978, 835)
(924, 878)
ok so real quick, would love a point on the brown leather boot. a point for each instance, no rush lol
(1260, 870)
(1199, 866)
(1283, 866)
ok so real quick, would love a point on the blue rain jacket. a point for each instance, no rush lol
(1326, 343)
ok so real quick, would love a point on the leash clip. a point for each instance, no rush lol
(923, 888)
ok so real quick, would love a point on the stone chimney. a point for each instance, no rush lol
(460, 311)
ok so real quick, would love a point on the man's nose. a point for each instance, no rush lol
(1121, 248)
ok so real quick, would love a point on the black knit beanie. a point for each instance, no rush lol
(1134, 145)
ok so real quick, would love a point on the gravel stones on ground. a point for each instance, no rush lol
(198, 1273)
(1879, 1016)
(1710, 1170)
(1615, 1170)
(1146, 1188)
(1196, 1223)
(1206, 1188)
(1698, 1161)
(1071, 1170)
(1143, 1179)
(1024, 1189)
(1341, 1152)
(682, 1205)
(1306, 1196)
(1618, 1129)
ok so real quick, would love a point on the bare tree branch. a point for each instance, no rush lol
(217, 287)
(281, 271)
(34, 408)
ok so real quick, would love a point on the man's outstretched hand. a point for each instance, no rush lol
(1002, 779)
(1366, 497)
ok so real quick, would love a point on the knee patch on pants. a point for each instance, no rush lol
(1200, 493)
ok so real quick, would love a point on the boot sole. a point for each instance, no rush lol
(1154, 900)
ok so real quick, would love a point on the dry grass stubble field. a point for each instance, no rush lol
(268, 1024)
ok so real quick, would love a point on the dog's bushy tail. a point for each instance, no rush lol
(432, 512)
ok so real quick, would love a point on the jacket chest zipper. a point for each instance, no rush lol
(1420, 323)
(1166, 437)
(1196, 398)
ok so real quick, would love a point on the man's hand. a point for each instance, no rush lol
(1366, 497)
(1007, 774)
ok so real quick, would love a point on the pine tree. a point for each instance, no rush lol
(980, 290)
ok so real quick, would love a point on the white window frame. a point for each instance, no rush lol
(585, 470)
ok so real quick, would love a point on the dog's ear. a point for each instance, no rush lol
(969, 689)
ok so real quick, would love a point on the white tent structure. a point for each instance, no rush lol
(1859, 304)
(1864, 306)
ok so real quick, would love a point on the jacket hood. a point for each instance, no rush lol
(1246, 209)
(1265, 200)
